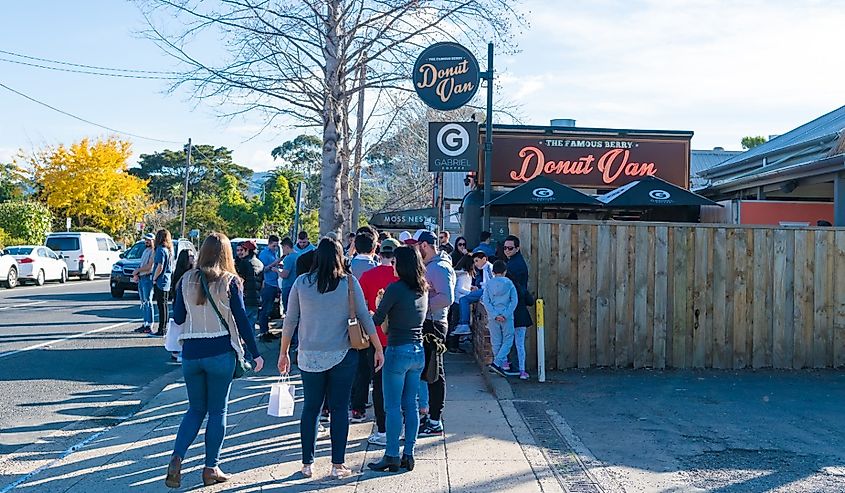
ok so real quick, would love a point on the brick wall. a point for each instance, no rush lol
(481, 336)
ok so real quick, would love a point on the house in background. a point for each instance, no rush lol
(797, 178)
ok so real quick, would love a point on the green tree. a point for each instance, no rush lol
(13, 182)
(27, 222)
(165, 171)
(750, 142)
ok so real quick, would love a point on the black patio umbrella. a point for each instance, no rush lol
(542, 191)
(652, 192)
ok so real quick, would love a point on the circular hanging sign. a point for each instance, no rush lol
(446, 76)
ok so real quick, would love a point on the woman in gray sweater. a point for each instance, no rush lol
(404, 305)
(319, 306)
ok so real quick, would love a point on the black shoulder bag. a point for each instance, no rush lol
(242, 367)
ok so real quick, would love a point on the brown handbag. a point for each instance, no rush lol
(358, 339)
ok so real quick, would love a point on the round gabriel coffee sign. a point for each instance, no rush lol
(446, 76)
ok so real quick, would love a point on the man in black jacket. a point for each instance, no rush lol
(518, 273)
(251, 270)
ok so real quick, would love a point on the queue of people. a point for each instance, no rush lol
(411, 297)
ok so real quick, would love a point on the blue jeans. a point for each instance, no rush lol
(403, 366)
(423, 396)
(268, 296)
(207, 381)
(334, 385)
(465, 301)
(285, 296)
(252, 316)
(145, 292)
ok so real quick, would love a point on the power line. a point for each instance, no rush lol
(59, 69)
(95, 67)
(4, 86)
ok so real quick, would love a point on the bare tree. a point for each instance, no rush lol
(295, 60)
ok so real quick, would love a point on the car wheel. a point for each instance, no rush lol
(12, 279)
(39, 279)
(91, 274)
(63, 279)
(116, 293)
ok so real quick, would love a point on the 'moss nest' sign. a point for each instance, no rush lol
(446, 76)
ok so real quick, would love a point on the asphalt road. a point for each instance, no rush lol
(67, 356)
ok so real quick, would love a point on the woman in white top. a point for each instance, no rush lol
(464, 272)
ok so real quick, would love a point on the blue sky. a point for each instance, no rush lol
(722, 69)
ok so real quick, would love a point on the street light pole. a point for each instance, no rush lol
(488, 140)
(185, 189)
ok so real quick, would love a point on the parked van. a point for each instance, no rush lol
(86, 254)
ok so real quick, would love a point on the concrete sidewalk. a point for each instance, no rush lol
(479, 453)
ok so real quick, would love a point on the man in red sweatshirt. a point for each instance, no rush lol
(372, 282)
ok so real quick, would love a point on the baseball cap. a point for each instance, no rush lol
(390, 245)
(149, 237)
(478, 253)
(425, 236)
(248, 245)
(404, 236)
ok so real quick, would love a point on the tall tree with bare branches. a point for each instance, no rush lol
(296, 60)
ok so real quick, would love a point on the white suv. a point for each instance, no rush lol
(85, 254)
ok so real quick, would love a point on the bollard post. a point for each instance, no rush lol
(541, 341)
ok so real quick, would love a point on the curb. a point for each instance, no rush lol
(56, 446)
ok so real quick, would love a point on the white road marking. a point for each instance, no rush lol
(22, 305)
(64, 339)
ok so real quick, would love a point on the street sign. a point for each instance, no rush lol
(407, 219)
(194, 233)
(453, 146)
(446, 76)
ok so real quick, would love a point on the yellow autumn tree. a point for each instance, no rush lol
(89, 182)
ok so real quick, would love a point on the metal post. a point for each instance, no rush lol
(185, 190)
(488, 139)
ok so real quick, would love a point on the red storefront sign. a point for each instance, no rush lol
(583, 160)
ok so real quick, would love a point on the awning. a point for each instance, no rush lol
(652, 192)
(542, 191)
(407, 219)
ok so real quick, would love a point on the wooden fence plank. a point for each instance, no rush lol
(640, 299)
(839, 302)
(782, 298)
(761, 283)
(700, 334)
(679, 319)
(604, 275)
(740, 294)
(649, 344)
(822, 336)
(567, 340)
(803, 300)
(585, 286)
(623, 349)
(661, 294)
(719, 299)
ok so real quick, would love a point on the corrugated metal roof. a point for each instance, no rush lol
(701, 160)
(812, 140)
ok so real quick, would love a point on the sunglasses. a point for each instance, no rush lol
(462, 244)
(509, 248)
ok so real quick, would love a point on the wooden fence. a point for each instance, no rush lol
(665, 295)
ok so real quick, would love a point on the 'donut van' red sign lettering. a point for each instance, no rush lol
(589, 161)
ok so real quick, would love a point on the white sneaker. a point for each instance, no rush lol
(377, 438)
(461, 330)
(322, 430)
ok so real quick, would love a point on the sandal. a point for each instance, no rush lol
(340, 472)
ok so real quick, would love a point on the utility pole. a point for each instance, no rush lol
(488, 140)
(185, 189)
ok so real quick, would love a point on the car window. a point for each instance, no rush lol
(43, 253)
(135, 252)
(18, 251)
(102, 245)
(63, 243)
(52, 254)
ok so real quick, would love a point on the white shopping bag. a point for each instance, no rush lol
(171, 340)
(281, 399)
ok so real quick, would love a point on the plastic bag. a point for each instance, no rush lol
(281, 399)
(171, 339)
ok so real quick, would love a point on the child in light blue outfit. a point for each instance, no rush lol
(500, 299)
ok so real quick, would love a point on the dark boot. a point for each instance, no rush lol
(407, 462)
(174, 473)
(386, 463)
